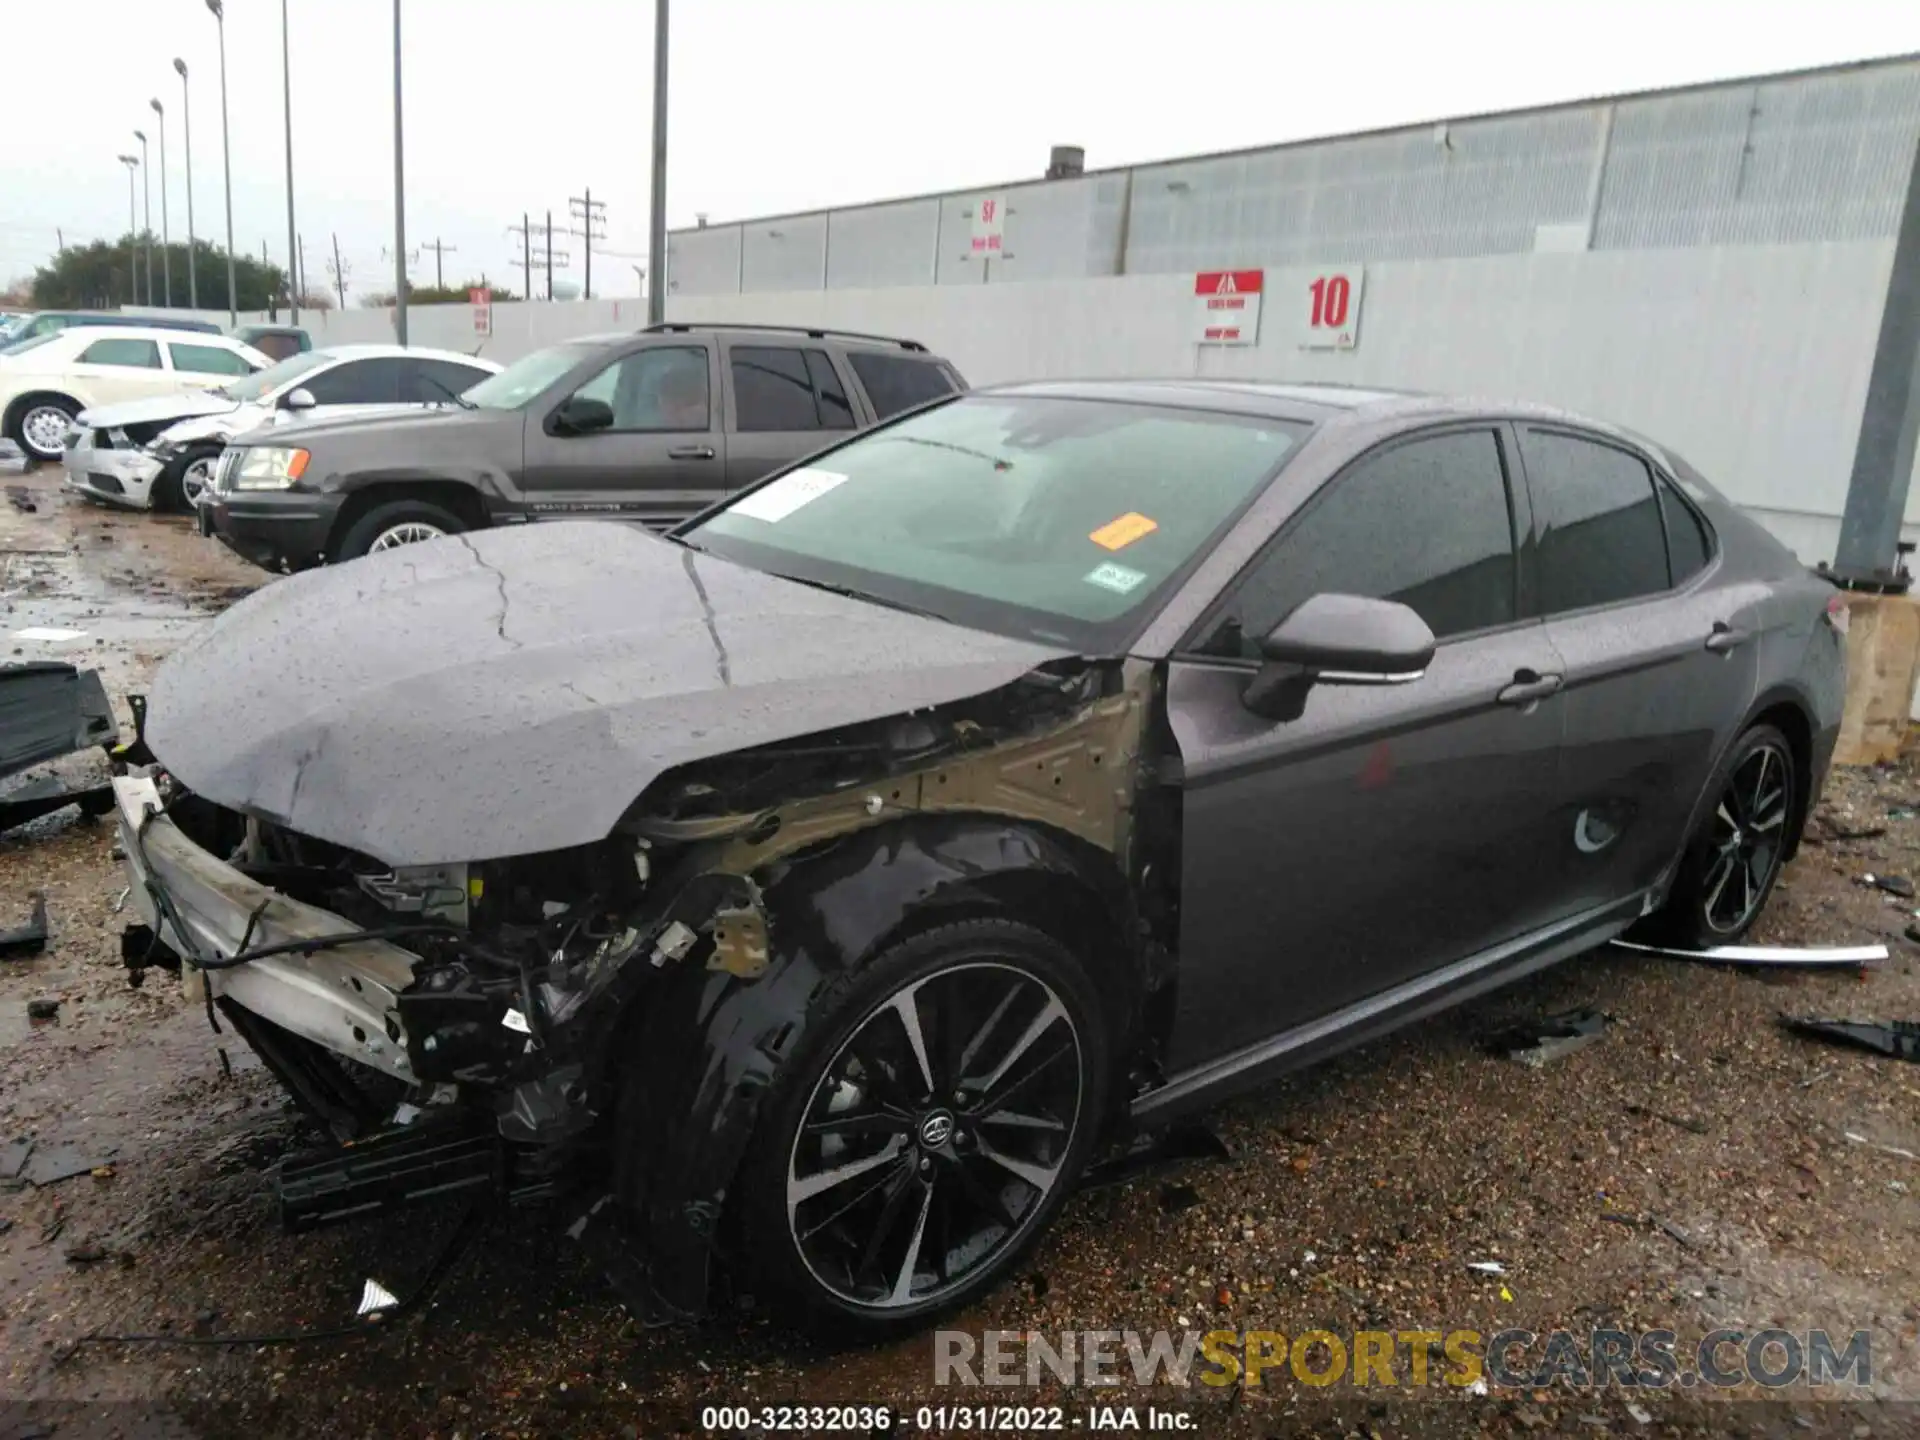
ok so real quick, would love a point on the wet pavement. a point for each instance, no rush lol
(1691, 1168)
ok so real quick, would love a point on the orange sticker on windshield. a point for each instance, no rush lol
(1118, 534)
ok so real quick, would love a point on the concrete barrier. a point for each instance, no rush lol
(1883, 659)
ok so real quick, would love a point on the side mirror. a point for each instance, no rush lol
(301, 399)
(579, 414)
(1337, 640)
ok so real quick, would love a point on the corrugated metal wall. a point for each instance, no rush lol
(1808, 158)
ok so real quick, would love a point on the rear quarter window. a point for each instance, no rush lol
(898, 382)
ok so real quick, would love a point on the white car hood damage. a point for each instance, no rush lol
(184, 406)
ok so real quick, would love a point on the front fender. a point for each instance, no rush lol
(712, 1044)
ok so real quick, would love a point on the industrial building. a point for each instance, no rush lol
(1709, 265)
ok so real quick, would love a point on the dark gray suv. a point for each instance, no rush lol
(650, 426)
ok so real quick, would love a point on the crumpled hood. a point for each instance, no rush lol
(220, 425)
(182, 406)
(514, 690)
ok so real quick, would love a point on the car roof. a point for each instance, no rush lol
(1314, 402)
(91, 333)
(417, 352)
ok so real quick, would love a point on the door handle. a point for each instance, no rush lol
(691, 452)
(1527, 687)
(1724, 637)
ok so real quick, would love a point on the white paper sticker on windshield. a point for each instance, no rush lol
(1117, 578)
(780, 498)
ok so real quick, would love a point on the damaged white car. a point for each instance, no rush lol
(806, 896)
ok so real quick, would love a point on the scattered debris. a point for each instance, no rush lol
(30, 938)
(1892, 884)
(21, 499)
(85, 1254)
(375, 1298)
(1548, 1039)
(1641, 1415)
(1486, 1267)
(1673, 1232)
(1175, 1198)
(1899, 1038)
(1854, 955)
(1858, 1139)
(47, 710)
(1697, 1127)
(43, 1009)
(49, 1165)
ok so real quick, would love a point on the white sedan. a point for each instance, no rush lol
(44, 386)
(160, 454)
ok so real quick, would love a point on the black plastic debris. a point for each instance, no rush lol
(43, 1009)
(1176, 1145)
(25, 1162)
(21, 499)
(1899, 1038)
(30, 938)
(49, 709)
(1537, 1043)
(1892, 884)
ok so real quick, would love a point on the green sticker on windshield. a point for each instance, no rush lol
(1117, 578)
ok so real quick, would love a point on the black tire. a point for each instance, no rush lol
(395, 516)
(169, 495)
(1742, 841)
(950, 977)
(17, 427)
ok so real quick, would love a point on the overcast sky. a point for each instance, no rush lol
(778, 105)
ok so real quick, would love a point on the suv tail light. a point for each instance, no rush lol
(1837, 612)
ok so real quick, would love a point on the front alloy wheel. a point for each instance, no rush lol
(410, 532)
(931, 1131)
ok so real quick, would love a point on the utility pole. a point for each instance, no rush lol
(657, 221)
(293, 240)
(589, 212)
(549, 260)
(399, 196)
(439, 272)
(166, 234)
(340, 271)
(524, 229)
(146, 209)
(300, 271)
(186, 116)
(530, 259)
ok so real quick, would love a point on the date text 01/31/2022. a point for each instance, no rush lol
(937, 1419)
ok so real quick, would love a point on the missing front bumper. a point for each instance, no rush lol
(342, 998)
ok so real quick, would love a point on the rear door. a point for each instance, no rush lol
(1659, 656)
(1388, 829)
(896, 381)
(425, 380)
(116, 368)
(664, 456)
(207, 365)
(783, 402)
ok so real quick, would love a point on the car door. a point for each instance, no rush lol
(1659, 655)
(115, 368)
(664, 455)
(1389, 829)
(783, 402)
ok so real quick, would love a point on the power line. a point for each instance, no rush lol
(590, 213)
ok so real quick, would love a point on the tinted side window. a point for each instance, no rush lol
(771, 389)
(1426, 523)
(895, 383)
(139, 354)
(436, 382)
(207, 360)
(357, 382)
(1601, 539)
(1687, 543)
(836, 411)
(662, 388)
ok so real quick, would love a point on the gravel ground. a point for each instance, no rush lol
(1690, 1169)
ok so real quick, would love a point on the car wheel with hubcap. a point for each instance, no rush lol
(397, 523)
(1733, 861)
(185, 478)
(931, 1124)
(41, 429)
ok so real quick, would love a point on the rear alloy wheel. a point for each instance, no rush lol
(1730, 868)
(935, 1133)
(42, 428)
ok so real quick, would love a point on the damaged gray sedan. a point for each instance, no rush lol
(808, 896)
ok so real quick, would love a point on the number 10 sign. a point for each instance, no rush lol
(1328, 304)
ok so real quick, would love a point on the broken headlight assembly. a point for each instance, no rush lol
(269, 467)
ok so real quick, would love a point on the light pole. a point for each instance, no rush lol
(186, 116)
(133, 225)
(399, 196)
(226, 155)
(166, 232)
(146, 209)
(657, 222)
(293, 236)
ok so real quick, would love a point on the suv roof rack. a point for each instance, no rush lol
(817, 332)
